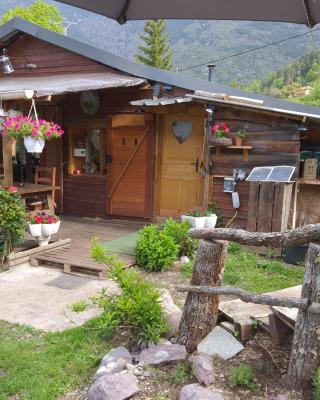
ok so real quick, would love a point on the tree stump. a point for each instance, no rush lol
(305, 354)
(200, 310)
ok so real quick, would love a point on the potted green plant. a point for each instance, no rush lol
(33, 131)
(220, 135)
(239, 137)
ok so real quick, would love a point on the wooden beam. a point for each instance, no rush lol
(7, 161)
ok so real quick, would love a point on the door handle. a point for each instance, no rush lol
(196, 164)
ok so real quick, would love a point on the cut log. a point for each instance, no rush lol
(297, 236)
(201, 310)
(305, 354)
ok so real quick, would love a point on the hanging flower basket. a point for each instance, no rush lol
(34, 131)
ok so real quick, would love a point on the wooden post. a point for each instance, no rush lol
(305, 353)
(7, 161)
(200, 310)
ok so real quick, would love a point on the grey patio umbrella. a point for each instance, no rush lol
(297, 11)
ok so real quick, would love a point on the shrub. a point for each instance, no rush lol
(215, 209)
(242, 376)
(155, 251)
(137, 307)
(178, 231)
(187, 269)
(12, 222)
(316, 384)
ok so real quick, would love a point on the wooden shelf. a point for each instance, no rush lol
(244, 149)
(309, 182)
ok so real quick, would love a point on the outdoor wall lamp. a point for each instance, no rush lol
(5, 63)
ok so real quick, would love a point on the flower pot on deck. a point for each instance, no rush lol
(49, 229)
(33, 145)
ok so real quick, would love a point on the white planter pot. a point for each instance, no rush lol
(210, 221)
(49, 229)
(34, 229)
(197, 222)
(186, 218)
(33, 145)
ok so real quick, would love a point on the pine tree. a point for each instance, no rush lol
(156, 51)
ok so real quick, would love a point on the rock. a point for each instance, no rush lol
(280, 397)
(163, 354)
(172, 312)
(184, 260)
(114, 361)
(116, 386)
(164, 342)
(202, 368)
(220, 343)
(197, 392)
(130, 367)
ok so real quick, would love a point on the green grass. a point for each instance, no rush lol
(44, 366)
(316, 384)
(242, 376)
(249, 271)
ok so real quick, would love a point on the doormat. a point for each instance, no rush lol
(125, 244)
(69, 281)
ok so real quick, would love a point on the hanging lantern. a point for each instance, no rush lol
(5, 62)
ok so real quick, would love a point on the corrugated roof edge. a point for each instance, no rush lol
(143, 71)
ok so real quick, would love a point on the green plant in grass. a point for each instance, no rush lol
(180, 374)
(187, 269)
(316, 384)
(137, 307)
(12, 221)
(242, 376)
(179, 232)
(155, 251)
(80, 306)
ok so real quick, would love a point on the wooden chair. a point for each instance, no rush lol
(43, 176)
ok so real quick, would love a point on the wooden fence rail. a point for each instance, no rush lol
(201, 306)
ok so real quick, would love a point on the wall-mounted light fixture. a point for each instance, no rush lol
(5, 63)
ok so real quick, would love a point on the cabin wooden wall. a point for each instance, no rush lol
(275, 141)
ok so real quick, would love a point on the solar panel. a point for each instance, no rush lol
(282, 173)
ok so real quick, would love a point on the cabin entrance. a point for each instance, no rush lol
(130, 166)
(181, 183)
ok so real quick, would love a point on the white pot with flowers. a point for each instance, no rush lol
(200, 218)
(42, 226)
(33, 131)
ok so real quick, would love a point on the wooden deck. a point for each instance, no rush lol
(75, 257)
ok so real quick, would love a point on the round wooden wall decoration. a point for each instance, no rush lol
(182, 130)
(90, 101)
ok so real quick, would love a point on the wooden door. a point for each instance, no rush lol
(130, 172)
(181, 184)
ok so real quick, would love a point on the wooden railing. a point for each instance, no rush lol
(201, 307)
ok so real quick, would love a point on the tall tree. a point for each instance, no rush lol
(156, 50)
(40, 13)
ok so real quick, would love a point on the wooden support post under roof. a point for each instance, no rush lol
(7, 161)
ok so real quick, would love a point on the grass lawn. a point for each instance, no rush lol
(251, 272)
(43, 366)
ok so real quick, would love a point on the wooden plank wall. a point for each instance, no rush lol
(275, 141)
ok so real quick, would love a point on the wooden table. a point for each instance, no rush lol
(32, 189)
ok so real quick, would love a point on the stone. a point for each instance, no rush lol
(163, 354)
(184, 260)
(172, 313)
(114, 361)
(197, 392)
(280, 397)
(202, 368)
(116, 386)
(220, 343)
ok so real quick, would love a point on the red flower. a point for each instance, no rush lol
(223, 125)
(39, 220)
(12, 189)
(215, 128)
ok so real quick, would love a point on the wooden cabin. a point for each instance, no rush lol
(136, 137)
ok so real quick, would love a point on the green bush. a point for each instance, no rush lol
(12, 222)
(316, 384)
(155, 251)
(179, 232)
(137, 307)
(242, 376)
